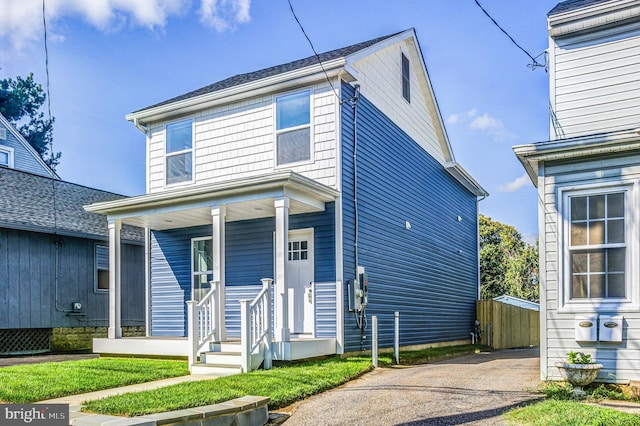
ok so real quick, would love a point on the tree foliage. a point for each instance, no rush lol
(20, 103)
(508, 265)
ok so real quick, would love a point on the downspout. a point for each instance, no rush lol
(140, 126)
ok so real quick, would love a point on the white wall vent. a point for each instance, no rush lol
(3, 133)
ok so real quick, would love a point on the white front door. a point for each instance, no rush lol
(300, 273)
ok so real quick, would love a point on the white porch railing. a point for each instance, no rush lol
(201, 319)
(255, 332)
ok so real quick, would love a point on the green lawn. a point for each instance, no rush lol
(37, 382)
(569, 413)
(284, 385)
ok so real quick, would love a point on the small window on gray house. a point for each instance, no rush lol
(102, 268)
(179, 137)
(293, 128)
(6, 157)
(406, 83)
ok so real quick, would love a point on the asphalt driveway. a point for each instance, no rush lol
(469, 390)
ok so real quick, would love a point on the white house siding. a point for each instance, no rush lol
(380, 79)
(237, 140)
(597, 83)
(558, 329)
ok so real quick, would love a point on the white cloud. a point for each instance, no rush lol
(222, 14)
(472, 112)
(492, 126)
(515, 184)
(21, 20)
(452, 119)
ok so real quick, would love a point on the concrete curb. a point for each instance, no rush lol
(245, 411)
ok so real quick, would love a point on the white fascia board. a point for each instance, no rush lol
(299, 77)
(205, 193)
(462, 176)
(583, 146)
(28, 146)
(589, 17)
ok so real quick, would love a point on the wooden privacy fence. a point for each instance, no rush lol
(507, 326)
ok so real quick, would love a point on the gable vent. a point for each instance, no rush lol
(3, 133)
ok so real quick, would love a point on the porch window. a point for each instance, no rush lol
(202, 266)
(406, 83)
(102, 268)
(598, 241)
(6, 157)
(179, 137)
(293, 128)
(298, 250)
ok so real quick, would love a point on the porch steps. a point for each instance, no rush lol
(224, 358)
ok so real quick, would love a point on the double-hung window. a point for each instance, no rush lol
(179, 152)
(102, 268)
(598, 244)
(202, 266)
(293, 128)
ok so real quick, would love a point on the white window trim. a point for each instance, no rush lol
(193, 273)
(406, 55)
(10, 152)
(171, 154)
(632, 301)
(95, 269)
(311, 159)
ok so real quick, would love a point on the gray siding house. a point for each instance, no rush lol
(588, 180)
(54, 257)
(287, 206)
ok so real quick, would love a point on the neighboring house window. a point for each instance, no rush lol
(293, 128)
(406, 83)
(6, 157)
(179, 143)
(597, 238)
(202, 266)
(102, 268)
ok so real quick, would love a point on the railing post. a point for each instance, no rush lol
(268, 357)
(396, 339)
(245, 335)
(374, 340)
(192, 332)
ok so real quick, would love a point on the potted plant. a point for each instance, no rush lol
(579, 370)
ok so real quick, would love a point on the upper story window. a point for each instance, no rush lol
(6, 156)
(102, 268)
(406, 83)
(293, 128)
(179, 152)
(598, 241)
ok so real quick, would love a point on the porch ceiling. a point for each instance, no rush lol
(249, 198)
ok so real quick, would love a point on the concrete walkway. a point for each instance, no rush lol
(473, 389)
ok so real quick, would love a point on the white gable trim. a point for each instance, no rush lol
(27, 146)
(599, 14)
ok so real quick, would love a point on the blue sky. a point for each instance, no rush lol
(111, 57)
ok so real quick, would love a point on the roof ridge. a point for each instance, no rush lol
(242, 78)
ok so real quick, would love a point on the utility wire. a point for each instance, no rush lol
(314, 50)
(535, 63)
(46, 67)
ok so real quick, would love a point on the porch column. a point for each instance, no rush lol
(115, 329)
(281, 314)
(218, 242)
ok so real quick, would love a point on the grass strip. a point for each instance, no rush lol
(424, 356)
(22, 384)
(284, 385)
(569, 413)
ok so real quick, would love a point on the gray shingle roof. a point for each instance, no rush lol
(239, 79)
(569, 5)
(27, 202)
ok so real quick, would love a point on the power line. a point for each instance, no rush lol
(46, 65)
(535, 63)
(314, 50)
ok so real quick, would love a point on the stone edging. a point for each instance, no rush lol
(248, 410)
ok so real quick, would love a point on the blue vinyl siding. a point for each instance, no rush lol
(249, 258)
(418, 272)
(23, 159)
(325, 309)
